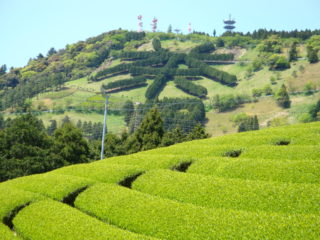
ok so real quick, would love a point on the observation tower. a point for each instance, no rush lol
(229, 24)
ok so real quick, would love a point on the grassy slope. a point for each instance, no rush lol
(80, 91)
(281, 185)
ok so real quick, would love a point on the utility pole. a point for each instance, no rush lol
(104, 127)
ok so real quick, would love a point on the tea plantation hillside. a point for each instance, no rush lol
(255, 185)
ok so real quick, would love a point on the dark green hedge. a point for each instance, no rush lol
(212, 73)
(214, 57)
(156, 87)
(125, 83)
(191, 88)
(137, 55)
(207, 47)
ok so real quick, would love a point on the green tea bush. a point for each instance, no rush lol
(55, 186)
(126, 83)
(167, 219)
(228, 193)
(259, 169)
(54, 220)
(103, 172)
(191, 88)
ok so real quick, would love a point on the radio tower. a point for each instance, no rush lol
(229, 24)
(140, 24)
(154, 24)
(189, 28)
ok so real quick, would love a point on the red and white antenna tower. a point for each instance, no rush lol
(154, 24)
(189, 28)
(140, 23)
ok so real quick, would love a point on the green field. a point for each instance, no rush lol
(254, 185)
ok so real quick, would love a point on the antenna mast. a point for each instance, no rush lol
(229, 24)
(154, 24)
(140, 23)
(189, 28)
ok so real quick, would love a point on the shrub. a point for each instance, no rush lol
(163, 218)
(230, 193)
(190, 87)
(126, 83)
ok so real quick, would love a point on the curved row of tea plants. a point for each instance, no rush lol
(167, 219)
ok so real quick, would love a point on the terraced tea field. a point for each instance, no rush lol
(255, 185)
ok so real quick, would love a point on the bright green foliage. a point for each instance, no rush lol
(106, 172)
(10, 198)
(278, 62)
(282, 97)
(158, 217)
(70, 144)
(51, 185)
(145, 160)
(254, 185)
(65, 223)
(7, 234)
(235, 194)
(259, 169)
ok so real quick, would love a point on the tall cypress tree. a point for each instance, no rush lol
(150, 132)
(128, 111)
(293, 53)
(52, 127)
(1, 121)
(282, 97)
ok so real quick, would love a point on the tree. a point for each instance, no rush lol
(79, 124)
(249, 123)
(214, 32)
(2, 122)
(173, 137)
(40, 56)
(314, 111)
(170, 29)
(52, 127)
(198, 132)
(156, 44)
(312, 55)
(282, 97)
(150, 132)
(220, 42)
(70, 144)
(114, 145)
(3, 69)
(65, 120)
(293, 53)
(128, 111)
(51, 52)
(25, 148)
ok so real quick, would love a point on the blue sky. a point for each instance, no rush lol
(30, 27)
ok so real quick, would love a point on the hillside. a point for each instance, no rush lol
(69, 81)
(255, 185)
